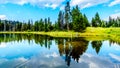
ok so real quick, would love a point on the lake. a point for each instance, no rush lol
(39, 51)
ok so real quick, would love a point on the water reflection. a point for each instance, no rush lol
(42, 40)
(96, 45)
(114, 42)
(70, 49)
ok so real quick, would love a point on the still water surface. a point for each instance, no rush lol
(36, 51)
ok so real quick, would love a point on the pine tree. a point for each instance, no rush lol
(67, 15)
(60, 20)
(96, 21)
(49, 24)
(86, 21)
(94, 24)
(118, 21)
(36, 27)
(110, 23)
(78, 20)
(103, 23)
(46, 25)
(41, 25)
(29, 25)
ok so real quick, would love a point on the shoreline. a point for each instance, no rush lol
(58, 34)
(88, 36)
(112, 32)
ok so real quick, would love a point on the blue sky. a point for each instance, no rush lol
(23, 10)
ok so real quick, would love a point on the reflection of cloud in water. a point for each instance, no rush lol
(52, 55)
(55, 61)
(95, 61)
(12, 63)
(51, 60)
(115, 46)
(2, 45)
(115, 57)
(2, 61)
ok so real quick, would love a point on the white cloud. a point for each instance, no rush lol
(87, 3)
(41, 3)
(54, 6)
(57, 3)
(22, 2)
(62, 7)
(113, 16)
(115, 2)
(3, 17)
(51, 5)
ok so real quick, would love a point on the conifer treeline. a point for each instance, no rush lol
(67, 20)
(41, 25)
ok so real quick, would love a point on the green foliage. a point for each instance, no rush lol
(1, 26)
(29, 25)
(113, 22)
(78, 20)
(60, 20)
(46, 25)
(103, 24)
(86, 21)
(49, 25)
(96, 21)
(67, 15)
(24, 27)
(36, 26)
(96, 45)
(55, 26)
(18, 26)
(41, 25)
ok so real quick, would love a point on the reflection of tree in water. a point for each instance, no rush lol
(39, 39)
(43, 40)
(72, 48)
(113, 42)
(96, 45)
(68, 50)
(61, 46)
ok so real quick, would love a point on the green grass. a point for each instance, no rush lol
(105, 33)
(100, 30)
(89, 32)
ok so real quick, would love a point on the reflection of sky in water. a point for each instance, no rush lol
(32, 55)
(107, 51)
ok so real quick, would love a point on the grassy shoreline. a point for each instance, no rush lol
(90, 33)
(59, 34)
